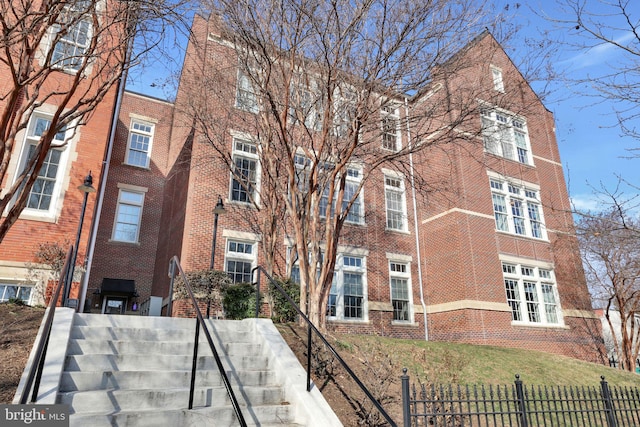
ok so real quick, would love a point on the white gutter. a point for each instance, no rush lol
(415, 217)
(103, 184)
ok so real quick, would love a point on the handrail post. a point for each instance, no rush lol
(309, 344)
(521, 402)
(172, 275)
(406, 397)
(606, 396)
(194, 364)
(258, 294)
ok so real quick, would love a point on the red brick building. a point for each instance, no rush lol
(67, 74)
(488, 257)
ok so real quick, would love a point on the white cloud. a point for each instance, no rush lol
(585, 202)
(597, 54)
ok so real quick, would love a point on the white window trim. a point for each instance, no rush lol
(393, 115)
(32, 294)
(237, 136)
(526, 201)
(339, 271)
(237, 256)
(62, 177)
(402, 191)
(313, 117)
(248, 108)
(87, 64)
(490, 113)
(344, 106)
(130, 189)
(539, 281)
(402, 260)
(150, 134)
(300, 170)
(497, 78)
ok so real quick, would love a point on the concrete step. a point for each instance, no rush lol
(114, 401)
(155, 322)
(264, 416)
(109, 333)
(93, 346)
(145, 362)
(138, 380)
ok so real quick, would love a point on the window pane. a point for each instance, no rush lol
(513, 298)
(128, 216)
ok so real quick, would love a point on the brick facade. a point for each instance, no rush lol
(84, 151)
(452, 246)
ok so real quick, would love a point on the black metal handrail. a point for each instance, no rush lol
(311, 328)
(200, 322)
(34, 374)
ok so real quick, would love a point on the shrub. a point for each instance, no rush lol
(239, 300)
(201, 282)
(281, 310)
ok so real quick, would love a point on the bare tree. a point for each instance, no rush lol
(594, 29)
(68, 54)
(610, 244)
(326, 93)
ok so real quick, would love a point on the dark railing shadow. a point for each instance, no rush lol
(310, 330)
(34, 374)
(201, 324)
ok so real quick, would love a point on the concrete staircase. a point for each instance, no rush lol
(136, 371)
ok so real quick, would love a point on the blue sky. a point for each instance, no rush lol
(592, 148)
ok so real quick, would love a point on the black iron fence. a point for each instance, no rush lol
(520, 405)
(613, 362)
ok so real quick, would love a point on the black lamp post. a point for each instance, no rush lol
(219, 209)
(86, 188)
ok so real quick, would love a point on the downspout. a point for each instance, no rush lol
(103, 183)
(417, 228)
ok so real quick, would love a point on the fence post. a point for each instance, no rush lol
(258, 294)
(521, 402)
(606, 395)
(406, 397)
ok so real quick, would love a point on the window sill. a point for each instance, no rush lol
(395, 230)
(30, 215)
(520, 236)
(122, 242)
(531, 165)
(348, 321)
(146, 168)
(405, 323)
(539, 325)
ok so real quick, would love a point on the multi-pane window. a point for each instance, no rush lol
(246, 98)
(347, 294)
(505, 135)
(43, 192)
(531, 293)
(396, 206)
(345, 111)
(139, 147)
(128, 216)
(496, 74)
(351, 193)
(245, 171)
(517, 209)
(306, 107)
(72, 36)
(390, 127)
(12, 291)
(400, 298)
(240, 257)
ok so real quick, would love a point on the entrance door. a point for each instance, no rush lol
(115, 305)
